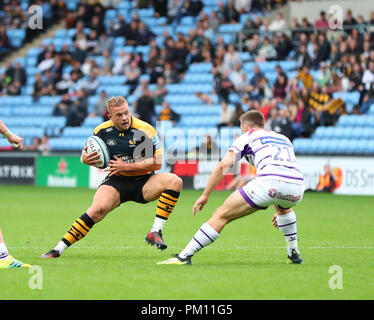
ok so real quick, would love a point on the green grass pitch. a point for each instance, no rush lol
(248, 261)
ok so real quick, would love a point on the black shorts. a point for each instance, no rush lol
(129, 188)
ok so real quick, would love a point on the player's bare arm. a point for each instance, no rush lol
(216, 176)
(117, 165)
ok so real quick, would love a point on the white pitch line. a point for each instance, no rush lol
(240, 247)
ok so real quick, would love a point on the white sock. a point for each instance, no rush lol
(61, 246)
(158, 224)
(3, 251)
(287, 225)
(203, 237)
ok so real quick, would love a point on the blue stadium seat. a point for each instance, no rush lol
(71, 5)
(124, 5)
(5, 111)
(162, 20)
(110, 14)
(33, 112)
(61, 33)
(302, 145)
(29, 132)
(77, 132)
(231, 28)
(114, 90)
(119, 42)
(184, 29)
(148, 12)
(200, 67)
(190, 21)
(111, 80)
(350, 99)
(369, 147)
(49, 100)
(143, 49)
(129, 49)
(31, 62)
(288, 65)
(92, 122)
(33, 52)
(245, 56)
(198, 77)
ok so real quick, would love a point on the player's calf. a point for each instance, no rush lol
(78, 231)
(166, 187)
(286, 223)
(219, 219)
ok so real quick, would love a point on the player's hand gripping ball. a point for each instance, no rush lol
(96, 144)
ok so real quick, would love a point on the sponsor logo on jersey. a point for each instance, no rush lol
(109, 130)
(111, 142)
(276, 140)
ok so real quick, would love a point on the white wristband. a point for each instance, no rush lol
(7, 134)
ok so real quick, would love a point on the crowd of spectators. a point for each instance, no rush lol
(296, 106)
(14, 16)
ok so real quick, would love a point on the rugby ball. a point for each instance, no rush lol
(95, 143)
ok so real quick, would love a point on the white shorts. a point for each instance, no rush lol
(262, 193)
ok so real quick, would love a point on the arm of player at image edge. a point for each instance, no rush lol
(13, 139)
(215, 178)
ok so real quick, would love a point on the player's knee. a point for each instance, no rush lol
(175, 182)
(178, 182)
(97, 213)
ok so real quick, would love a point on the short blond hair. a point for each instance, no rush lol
(115, 102)
(253, 118)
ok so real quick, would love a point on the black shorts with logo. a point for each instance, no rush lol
(129, 188)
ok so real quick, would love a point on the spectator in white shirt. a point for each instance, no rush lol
(47, 63)
(226, 116)
(121, 62)
(242, 5)
(231, 58)
(279, 24)
(368, 76)
(267, 50)
(236, 77)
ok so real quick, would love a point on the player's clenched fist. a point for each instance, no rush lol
(15, 140)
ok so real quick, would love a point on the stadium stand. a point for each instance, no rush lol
(315, 89)
(19, 25)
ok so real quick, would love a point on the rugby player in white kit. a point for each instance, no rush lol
(278, 182)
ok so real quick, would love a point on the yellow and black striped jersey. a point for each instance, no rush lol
(138, 143)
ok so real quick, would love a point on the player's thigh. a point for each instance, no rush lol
(158, 183)
(234, 207)
(105, 200)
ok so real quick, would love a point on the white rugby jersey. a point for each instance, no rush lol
(270, 153)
